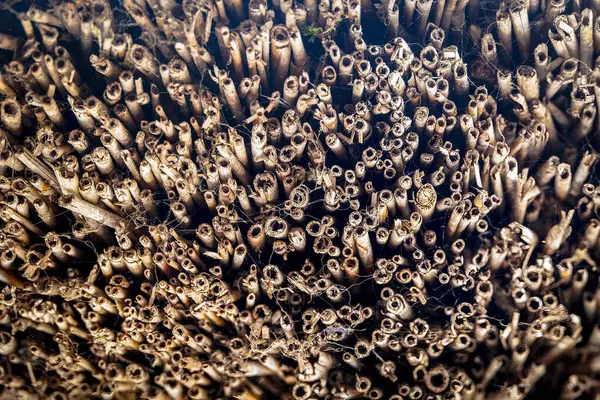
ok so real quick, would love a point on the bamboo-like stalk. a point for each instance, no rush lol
(520, 23)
